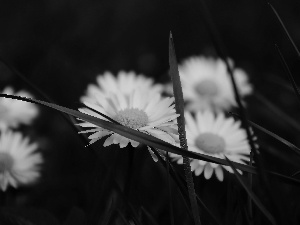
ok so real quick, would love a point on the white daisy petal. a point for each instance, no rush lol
(204, 136)
(206, 84)
(208, 171)
(125, 83)
(219, 173)
(18, 160)
(199, 170)
(134, 143)
(109, 141)
(15, 112)
(138, 105)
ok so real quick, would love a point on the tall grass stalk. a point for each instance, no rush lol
(179, 105)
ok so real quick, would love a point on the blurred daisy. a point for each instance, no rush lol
(124, 82)
(215, 136)
(142, 111)
(19, 163)
(207, 85)
(15, 112)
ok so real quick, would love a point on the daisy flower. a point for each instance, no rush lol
(214, 136)
(15, 112)
(142, 111)
(207, 85)
(19, 163)
(124, 82)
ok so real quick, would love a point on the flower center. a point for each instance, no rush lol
(6, 162)
(132, 117)
(210, 143)
(207, 88)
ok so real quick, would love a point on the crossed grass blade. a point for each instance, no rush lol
(254, 198)
(179, 180)
(175, 176)
(147, 139)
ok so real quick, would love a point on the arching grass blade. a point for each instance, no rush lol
(147, 139)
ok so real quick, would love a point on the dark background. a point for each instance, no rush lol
(62, 45)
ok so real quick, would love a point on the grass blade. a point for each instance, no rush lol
(147, 139)
(122, 217)
(295, 174)
(289, 73)
(284, 28)
(275, 136)
(149, 216)
(217, 41)
(251, 194)
(179, 180)
(292, 122)
(179, 105)
(108, 215)
(169, 189)
(175, 176)
(69, 119)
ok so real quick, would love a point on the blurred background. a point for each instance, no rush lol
(62, 45)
